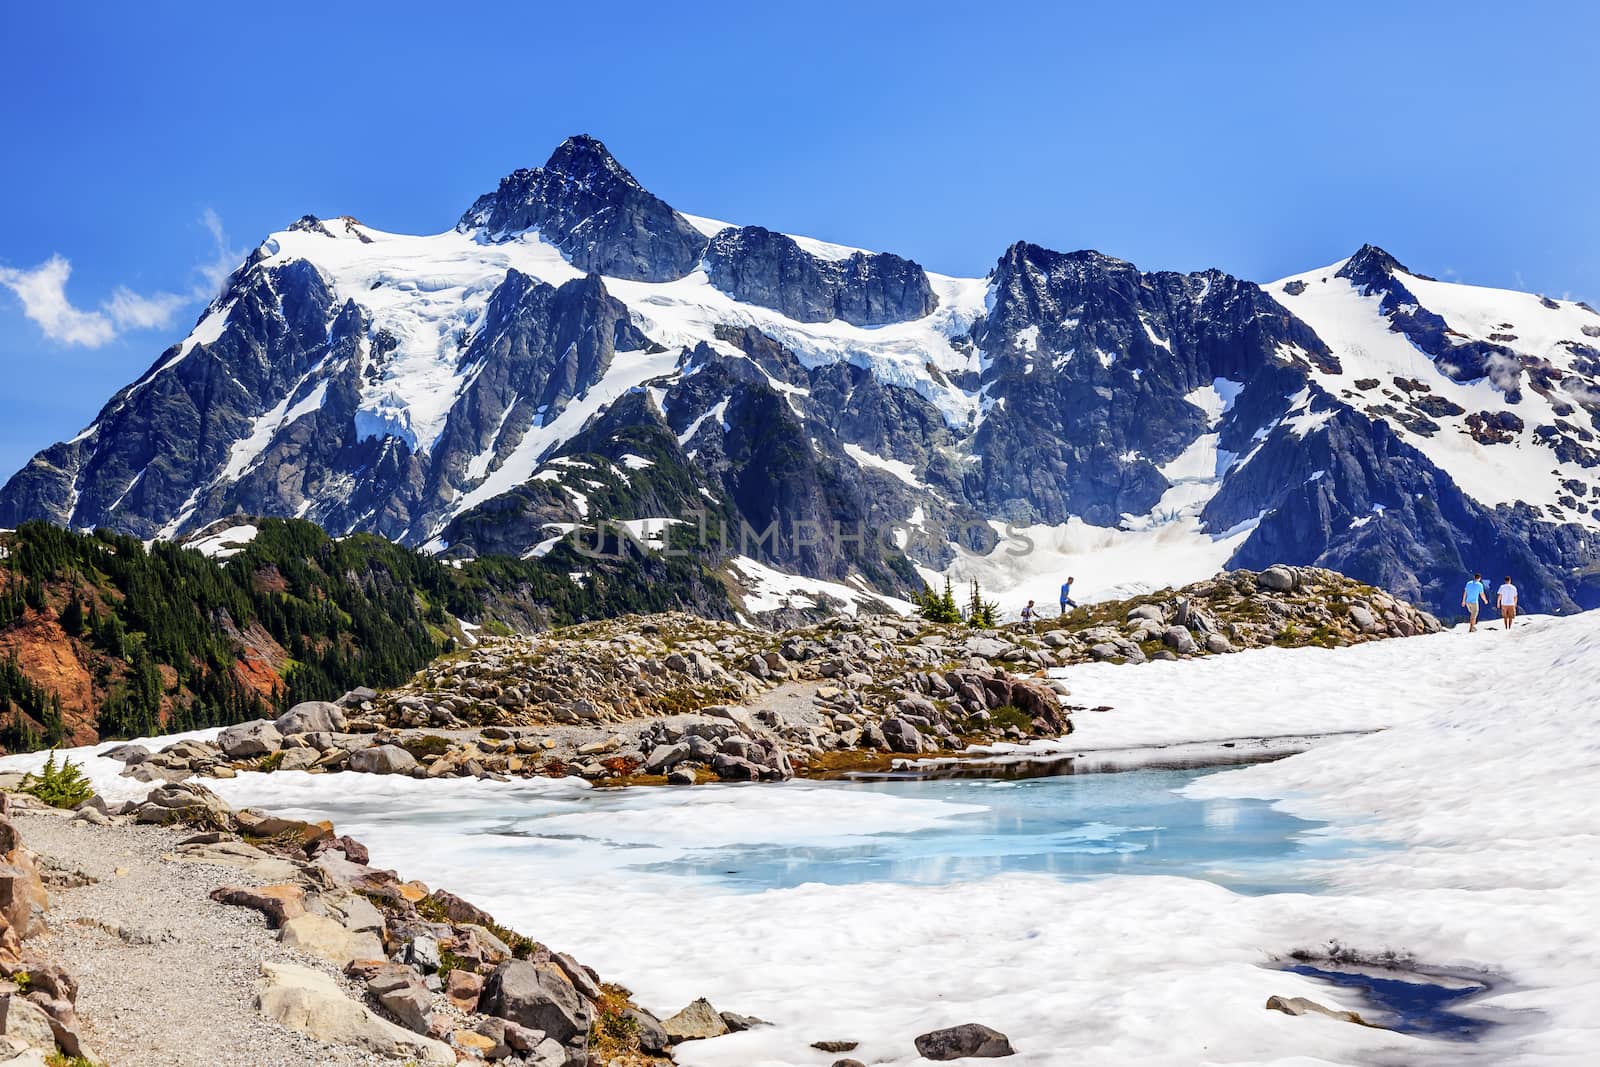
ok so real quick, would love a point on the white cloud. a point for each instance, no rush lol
(216, 271)
(43, 293)
(130, 311)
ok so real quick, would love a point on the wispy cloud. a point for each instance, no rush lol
(42, 291)
(216, 270)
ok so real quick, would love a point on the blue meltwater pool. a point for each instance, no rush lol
(754, 838)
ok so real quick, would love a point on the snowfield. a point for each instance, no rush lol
(1473, 814)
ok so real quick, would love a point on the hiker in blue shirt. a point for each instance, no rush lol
(1066, 596)
(1472, 598)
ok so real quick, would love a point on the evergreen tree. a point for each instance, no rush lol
(981, 614)
(72, 616)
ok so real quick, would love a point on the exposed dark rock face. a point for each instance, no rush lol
(757, 266)
(1072, 387)
(1091, 364)
(587, 204)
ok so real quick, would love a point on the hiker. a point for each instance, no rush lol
(1506, 597)
(1472, 599)
(1030, 613)
(1066, 595)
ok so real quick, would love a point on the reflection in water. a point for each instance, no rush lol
(1412, 1002)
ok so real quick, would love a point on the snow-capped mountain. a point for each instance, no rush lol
(576, 350)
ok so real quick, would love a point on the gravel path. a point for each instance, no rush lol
(167, 976)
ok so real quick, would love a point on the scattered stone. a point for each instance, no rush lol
(697, 1020)
(538, 996)
(249, 739)
(463, 989)
(313, 1004)
(313, 717)
(321, 936)
(1305, 1006)
(383, 759)
(279, 903)
(968, 1039)
(835, 1046)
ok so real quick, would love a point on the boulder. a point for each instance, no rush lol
(22, 896)
(311, 717)
(359, 695)
(967, 1040)
(1279, 579)
(697, 1020)
(383, 759)
(250, 739)
(1218, 644)
(298, 759)
(663, 758)
(410, 1003)
(463, 988)
(127, 754)
(313, 1003)
(901, 736)
(538, 996)
(652, 1035)
(24, 1020)
(1179, 640)
(238, 854)
(321, 936)
(184, 802)
(279, 903)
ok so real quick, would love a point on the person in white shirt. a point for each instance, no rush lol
(1506, 597)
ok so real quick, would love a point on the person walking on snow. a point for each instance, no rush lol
(1472, 599)
(1066, 595)
(1506, 597)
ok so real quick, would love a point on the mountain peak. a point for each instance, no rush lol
(586, 159)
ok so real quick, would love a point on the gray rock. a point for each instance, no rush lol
(412, 1004)
(248, 739)
(298, 759)
(652, 1035)
(383, 759)
(901, 736)
(1363, 618)
(681, 776)
(538, 996)
(313, 1004)
(359, 695)
(127, 754)
(967, 1040)
(1179, 640)
(310, 717)
(184, 802)
(663, 758)
(26, 1021)
(1218, 643)
(1278, 579)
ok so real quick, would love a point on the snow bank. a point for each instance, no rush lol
(1475, 810)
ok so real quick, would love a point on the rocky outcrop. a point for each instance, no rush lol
(312, 1003)
(756, 266)
(587, 204)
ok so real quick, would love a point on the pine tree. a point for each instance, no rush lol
(981, 614)
(72, 616)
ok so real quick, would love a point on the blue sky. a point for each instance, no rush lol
(148, 145)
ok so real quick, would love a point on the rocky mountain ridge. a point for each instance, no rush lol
(576, 351)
